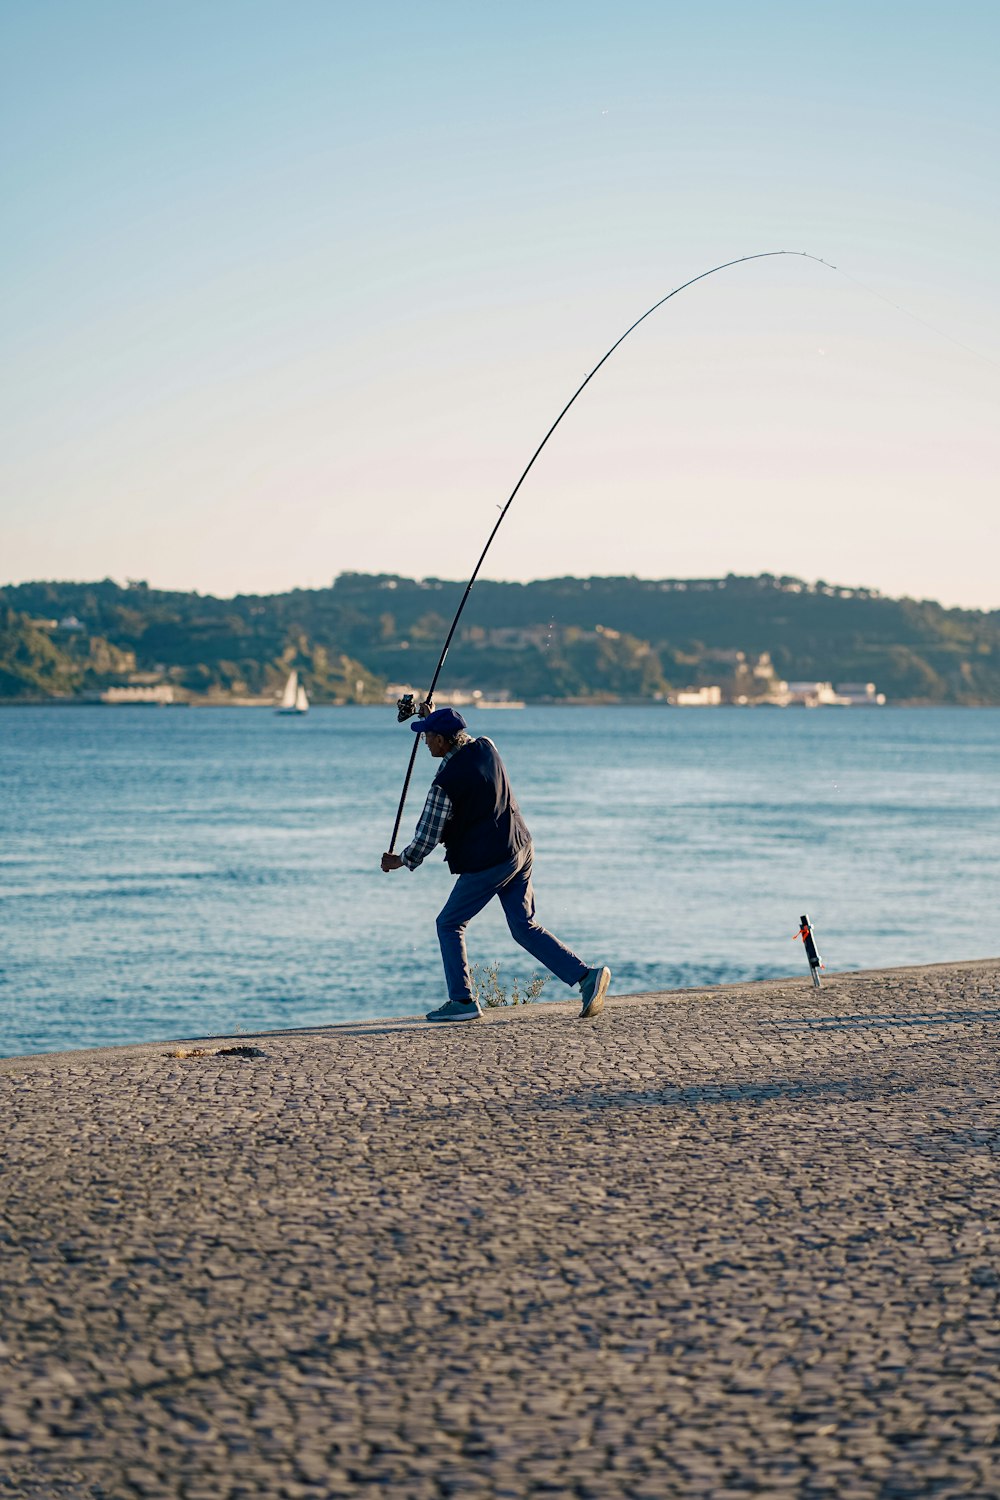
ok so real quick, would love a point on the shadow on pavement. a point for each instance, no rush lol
(726, 1093)
(881, 1022)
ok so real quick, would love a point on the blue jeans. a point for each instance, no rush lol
(511, 881)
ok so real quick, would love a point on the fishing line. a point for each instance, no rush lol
(407, 707)
(916, 318)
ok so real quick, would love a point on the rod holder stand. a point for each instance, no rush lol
(807, 935)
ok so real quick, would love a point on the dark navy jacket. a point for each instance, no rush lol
(485, 827)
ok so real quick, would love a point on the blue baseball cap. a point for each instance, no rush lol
(446, 721)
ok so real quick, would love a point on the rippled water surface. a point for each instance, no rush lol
(176, 872)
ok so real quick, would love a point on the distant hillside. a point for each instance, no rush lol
(554, 639)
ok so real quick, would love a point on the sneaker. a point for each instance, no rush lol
(593, 988)
(456, 1010)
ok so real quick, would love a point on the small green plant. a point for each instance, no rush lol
(490, 991)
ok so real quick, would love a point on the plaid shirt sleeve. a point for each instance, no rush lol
(430, 828)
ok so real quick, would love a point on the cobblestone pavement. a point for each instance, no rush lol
(712, 1244)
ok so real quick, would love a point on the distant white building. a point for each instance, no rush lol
(160, 693)
(810, 694)
(703, 697)
(860, 694)
(823, 694)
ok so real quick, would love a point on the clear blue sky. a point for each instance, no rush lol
(293, 289)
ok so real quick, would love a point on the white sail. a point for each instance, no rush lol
(293, 699)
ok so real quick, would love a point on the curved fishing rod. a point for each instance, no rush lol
(407, 708)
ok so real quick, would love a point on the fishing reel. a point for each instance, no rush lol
(408, 708)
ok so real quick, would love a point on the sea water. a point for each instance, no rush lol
(169, 872)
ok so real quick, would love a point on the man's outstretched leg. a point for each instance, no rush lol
(517, 897)
(469, 895)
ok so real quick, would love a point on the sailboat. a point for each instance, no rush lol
(293, 699)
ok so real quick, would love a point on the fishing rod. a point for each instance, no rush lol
(406, 707)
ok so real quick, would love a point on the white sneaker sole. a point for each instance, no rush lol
(596, 1004)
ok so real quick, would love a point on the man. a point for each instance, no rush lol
(471, 809)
